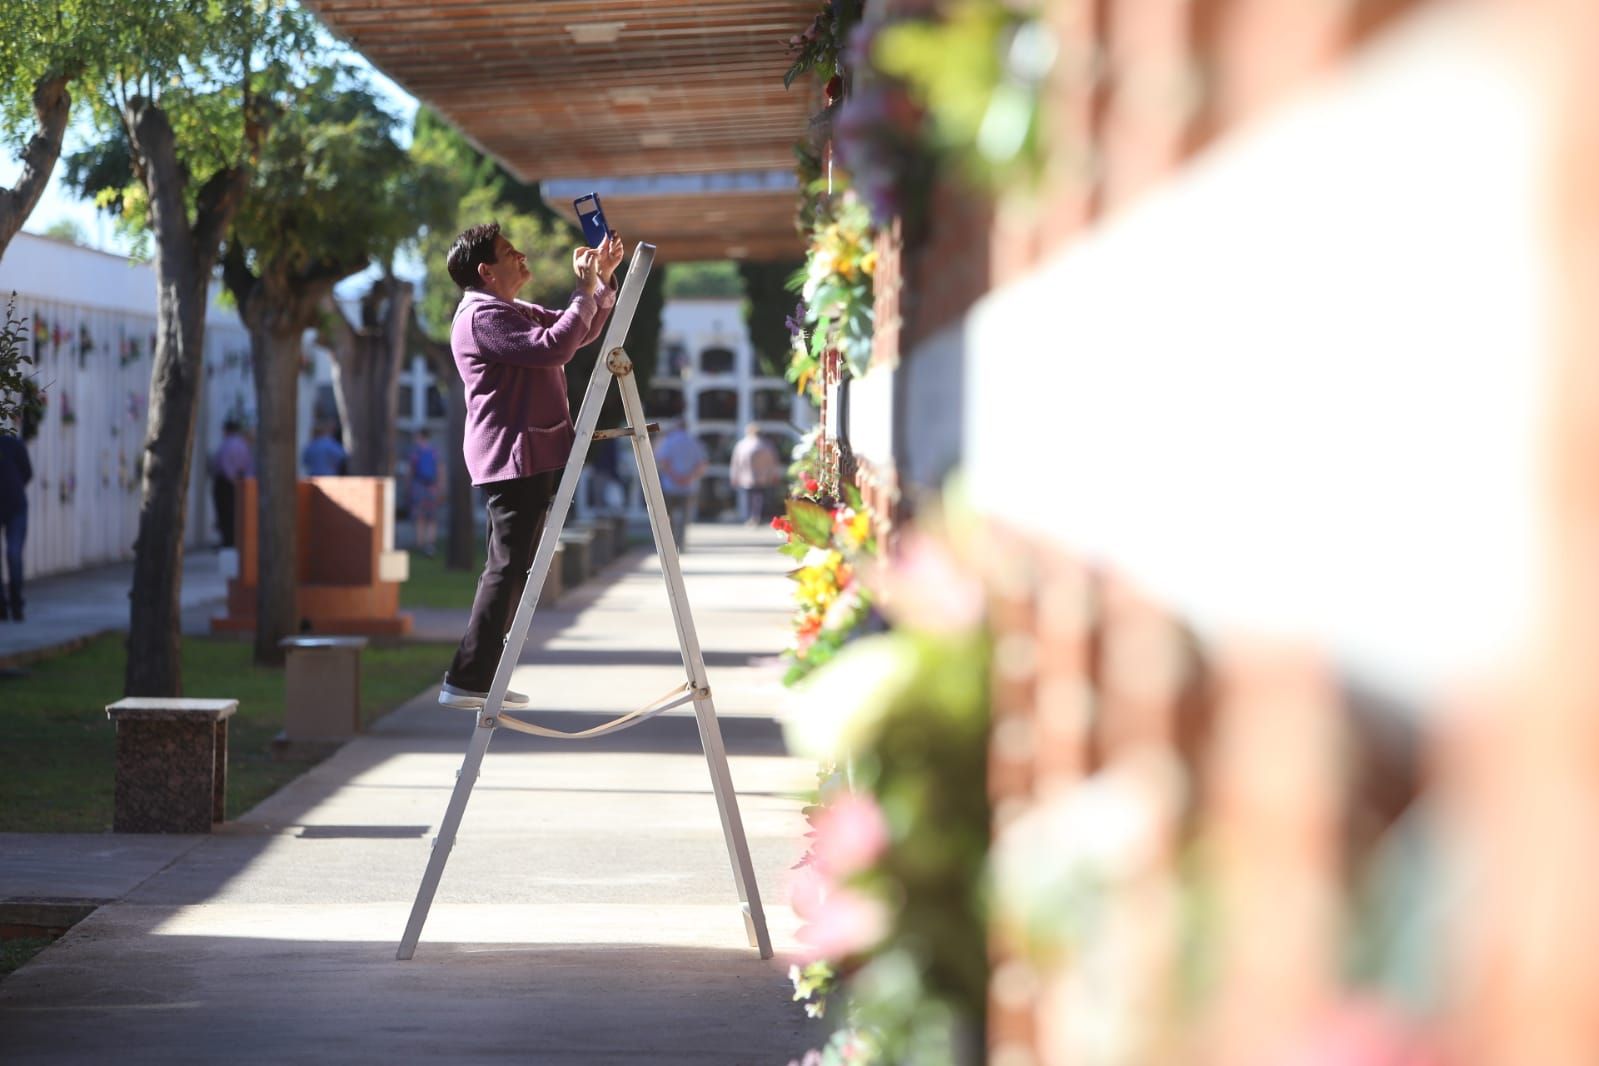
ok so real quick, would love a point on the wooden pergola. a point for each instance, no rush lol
(581, 93)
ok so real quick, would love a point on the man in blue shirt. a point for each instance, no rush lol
(681, 460)
(324, 455)
(15, 473)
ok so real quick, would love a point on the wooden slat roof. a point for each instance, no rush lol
(584, 89)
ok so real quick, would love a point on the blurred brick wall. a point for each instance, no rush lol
(1285, 780)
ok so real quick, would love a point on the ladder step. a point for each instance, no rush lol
(624, 431)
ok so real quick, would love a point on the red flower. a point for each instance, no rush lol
(782, 524)
(812, 486)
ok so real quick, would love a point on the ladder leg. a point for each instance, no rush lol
(738, 848)
(446, 838)
(738, 851)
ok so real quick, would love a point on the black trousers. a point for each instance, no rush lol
(517, 509)
(222, 496)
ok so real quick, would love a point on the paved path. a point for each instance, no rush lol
(67, 608)
(587, 914)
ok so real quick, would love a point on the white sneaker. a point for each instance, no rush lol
(466, 700)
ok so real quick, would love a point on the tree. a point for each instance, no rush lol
(190, 110)
(767, 307)
(332, 191)
(717, 280)
(66, 229)
(44, 48)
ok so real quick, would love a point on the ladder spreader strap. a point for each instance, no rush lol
(678, 696)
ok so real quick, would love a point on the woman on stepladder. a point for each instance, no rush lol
(512, 355)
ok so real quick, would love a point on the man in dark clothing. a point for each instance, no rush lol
(15, 473)
(233, 463)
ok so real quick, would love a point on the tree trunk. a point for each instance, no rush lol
(52, 105)
(366, 381)
(461, 532)
(275, 348)
(185, 256)
(277, 308)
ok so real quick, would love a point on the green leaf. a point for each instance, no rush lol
(795, 550)
(852, 496)
(813, 523)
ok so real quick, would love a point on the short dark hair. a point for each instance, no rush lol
(230, 425)
(471, 249)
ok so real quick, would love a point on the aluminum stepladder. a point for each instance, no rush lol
(696, 688)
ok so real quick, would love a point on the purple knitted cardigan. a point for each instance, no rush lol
(512, 358)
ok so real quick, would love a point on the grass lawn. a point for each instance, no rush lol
(13, 953)
(431, 585)
(57, 748)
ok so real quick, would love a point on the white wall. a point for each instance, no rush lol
(1298, 390)
(99, 314)
(701, 324)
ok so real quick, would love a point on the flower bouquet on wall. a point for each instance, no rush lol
(890, 891)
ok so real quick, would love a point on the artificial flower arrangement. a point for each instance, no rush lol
(890, 892)
(820, 46)
(835, 286)
(831, 601)
(959, 89)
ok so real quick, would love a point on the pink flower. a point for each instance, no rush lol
(850, 834)
(840, 922)
(1364, 1032)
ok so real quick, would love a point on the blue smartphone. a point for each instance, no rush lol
(592, 218)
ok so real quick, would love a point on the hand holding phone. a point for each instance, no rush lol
(591, 216)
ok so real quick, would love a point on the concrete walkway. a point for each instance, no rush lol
(66, 609)
(587, 914)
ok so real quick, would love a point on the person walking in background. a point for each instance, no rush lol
(323, 455)
(754, 469)
(15, 473)
(232, 463)
(681, 460)
(424, 464)
(512, 356)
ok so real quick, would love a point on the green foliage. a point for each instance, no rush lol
(979, 72)
(333, 188)
(39, 38)
(812, 522)
(217, 70)
(767, 310)
(13, 379)
(432, 584)
(65, 229)
(712, 280)
(16, 951)
(820, 46)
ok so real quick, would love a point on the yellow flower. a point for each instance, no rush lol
(869, 263)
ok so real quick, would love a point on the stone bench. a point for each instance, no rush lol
(576, 561)
(600, 549)
(321, 692)
(172, 763)
(553, 585)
